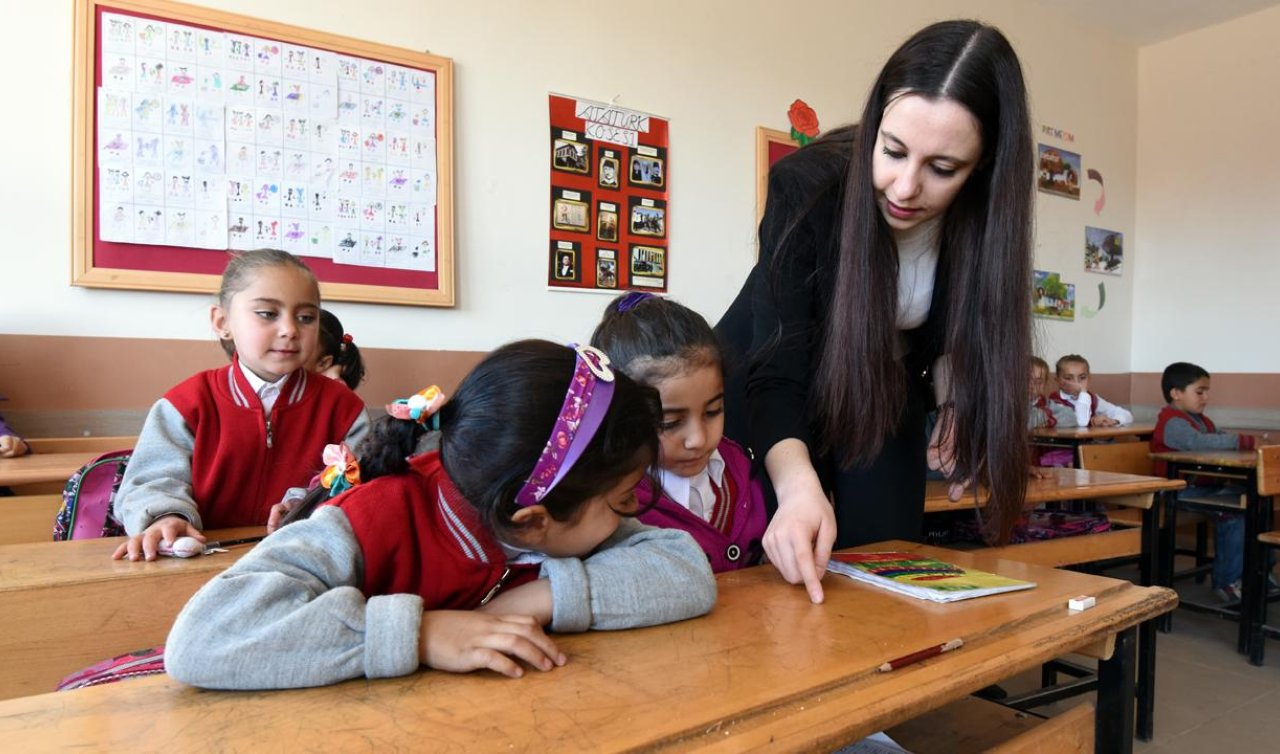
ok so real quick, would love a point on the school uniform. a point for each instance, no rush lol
(220, 448)
(342, 594)
(1088, 405)
(722, 507)
(1050, 414)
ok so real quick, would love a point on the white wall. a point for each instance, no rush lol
(1209, 178)
(716, 68)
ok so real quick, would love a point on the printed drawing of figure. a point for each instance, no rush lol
(241, 85)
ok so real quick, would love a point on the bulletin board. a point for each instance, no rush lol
(198, 132)
(771, 145)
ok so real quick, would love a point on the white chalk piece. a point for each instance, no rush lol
(1082, 602)
(184, 547)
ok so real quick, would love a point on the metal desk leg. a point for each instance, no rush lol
(1169, 548)
(1253, 590)
(1146, 680)
(1256, 582)
(1113, 733)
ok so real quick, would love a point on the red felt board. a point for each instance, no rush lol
(106, 264)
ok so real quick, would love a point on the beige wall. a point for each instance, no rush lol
(716, 68)
(1209, 194)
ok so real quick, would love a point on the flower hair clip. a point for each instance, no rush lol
(419, 407)
(342, 470)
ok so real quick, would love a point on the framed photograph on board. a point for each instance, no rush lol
(771, 145)
(198, 132)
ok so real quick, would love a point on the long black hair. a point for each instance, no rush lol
(493, 430)
(861, 388)
(342, 348)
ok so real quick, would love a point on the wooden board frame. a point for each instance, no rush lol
(765, 137)
(84, 101)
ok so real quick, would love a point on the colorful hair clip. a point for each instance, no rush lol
(632, 300)
(419, 407)
(342, 470)
(585, 405)
(346, 338)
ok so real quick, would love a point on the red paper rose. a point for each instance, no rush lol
(803, 119)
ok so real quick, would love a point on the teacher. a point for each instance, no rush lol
(894, 278)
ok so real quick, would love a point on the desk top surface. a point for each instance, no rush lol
(1093, 433)
(1235, 459)
(51, 564)
(1058, 484)
(43, 467)
(764, 669)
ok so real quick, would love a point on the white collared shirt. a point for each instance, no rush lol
(1105, 408)
(267, 392)
(695, 492)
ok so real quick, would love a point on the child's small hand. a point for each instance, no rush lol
(279, 511)
(460, 641)
(145, 545)
(1102, 421)
(12, 447)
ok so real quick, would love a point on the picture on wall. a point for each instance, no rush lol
(1052, 298)
(1059, 172)
(1103, 251)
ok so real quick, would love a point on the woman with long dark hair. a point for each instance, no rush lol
(893, 254)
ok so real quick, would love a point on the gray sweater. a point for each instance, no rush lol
(291, 613)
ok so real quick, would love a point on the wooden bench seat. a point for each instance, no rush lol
(1069, 551)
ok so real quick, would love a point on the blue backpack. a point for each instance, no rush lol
(87, 499)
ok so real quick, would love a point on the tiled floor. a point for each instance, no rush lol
(1208, 697)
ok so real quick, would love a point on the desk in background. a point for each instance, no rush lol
(34, 468)
(765, 669)
(67, 605)
(1073, 437)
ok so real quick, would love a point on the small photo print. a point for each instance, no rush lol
(606, 221)
(568, 214)
(564, 262)
(648, 217)
(571, 155)
(607, 178)
(1052, 298)
(647, 170)
(1103, 251)
(648, 260)
(606, 268)
(1059, 172)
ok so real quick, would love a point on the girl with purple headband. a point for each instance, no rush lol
(458, 558)
(707, 488)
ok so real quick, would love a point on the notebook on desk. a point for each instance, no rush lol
(921, 577)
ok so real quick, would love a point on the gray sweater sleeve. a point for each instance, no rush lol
(641, 576)
(157, 480)
(290, 614)
(358, 431)
(1065, 415)
(1180, 434)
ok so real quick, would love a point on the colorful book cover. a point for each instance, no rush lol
(921, 576)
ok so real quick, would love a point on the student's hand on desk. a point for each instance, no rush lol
(1103, 421)
(1039, 472)
(279, 511)
(799, 539)
(12, 447)
(941, 456)
(145, 545)
(460, 641)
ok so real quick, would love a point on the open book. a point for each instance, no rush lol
(921, 577)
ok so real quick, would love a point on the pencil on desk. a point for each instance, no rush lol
(923, 654)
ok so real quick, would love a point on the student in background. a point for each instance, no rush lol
(1044, 412)
(456, 559)
(219, 449)
(11, 443)
(338, 356)
(1092, 410)
(707, 486)
(1183, 425)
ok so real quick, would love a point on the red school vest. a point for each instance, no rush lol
(241, 465)
(1158, 445)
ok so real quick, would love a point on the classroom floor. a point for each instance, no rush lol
(1208, 698)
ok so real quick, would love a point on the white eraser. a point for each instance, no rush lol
(185, 547)
(1082, 602)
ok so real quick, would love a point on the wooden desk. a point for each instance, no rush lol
(1060, 485)
(1073, 436)
(28, 518)
(765, 670)
(97, 443)
(67, 605)
(1242, 465)
(43, 467)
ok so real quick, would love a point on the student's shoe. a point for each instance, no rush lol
(1229, 593)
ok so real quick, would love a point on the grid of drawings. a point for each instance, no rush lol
(216, 140)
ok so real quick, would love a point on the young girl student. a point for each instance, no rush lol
(707, 487)
(219, 449)
(338, 356)
(455, 559)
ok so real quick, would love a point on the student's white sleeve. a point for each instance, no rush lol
(641, 576)
(157, 480)
(1112, 411)
(1082, 409)
(290, 614)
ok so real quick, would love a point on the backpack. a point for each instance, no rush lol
(87, 498)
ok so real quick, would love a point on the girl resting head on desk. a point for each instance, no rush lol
(458, 558)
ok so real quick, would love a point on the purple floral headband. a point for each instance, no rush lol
(584, 408)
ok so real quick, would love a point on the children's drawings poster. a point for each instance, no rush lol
(215, 140)
(610, 177)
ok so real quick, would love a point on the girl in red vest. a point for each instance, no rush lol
(221, 448)
(456, 559)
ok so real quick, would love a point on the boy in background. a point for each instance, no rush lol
(1073, 391)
